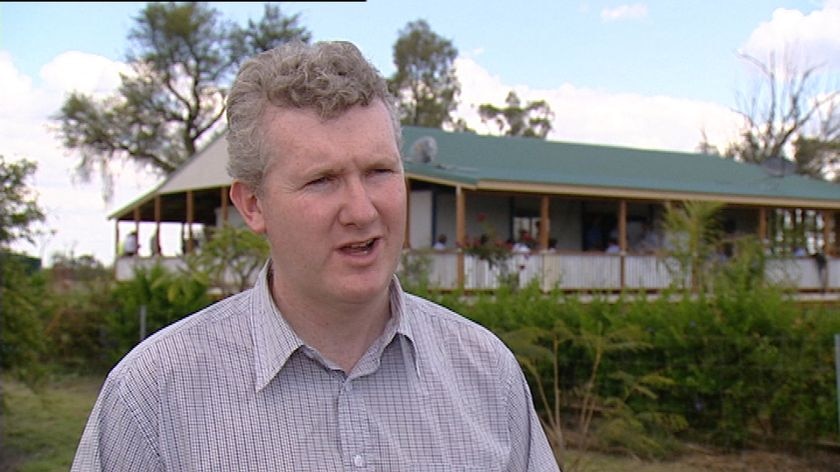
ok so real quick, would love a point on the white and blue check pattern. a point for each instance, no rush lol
(233, 388)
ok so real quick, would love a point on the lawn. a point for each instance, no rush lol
(41, 428)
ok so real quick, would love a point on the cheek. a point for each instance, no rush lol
(391, 202)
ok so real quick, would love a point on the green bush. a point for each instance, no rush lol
(167, 297)
(743, 366)
(24, 300)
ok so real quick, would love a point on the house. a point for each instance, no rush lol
(568, 199)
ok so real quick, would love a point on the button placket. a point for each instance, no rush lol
(352, 422)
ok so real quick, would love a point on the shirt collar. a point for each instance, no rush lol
(407, 339)
(275, 341)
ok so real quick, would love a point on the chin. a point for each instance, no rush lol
(363, 289)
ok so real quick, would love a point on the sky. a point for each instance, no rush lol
(653, 74)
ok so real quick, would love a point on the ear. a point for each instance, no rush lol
(246, 201)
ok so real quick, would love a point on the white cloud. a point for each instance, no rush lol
(83, 72)
(79, 216)
(813, 39)
(75, 211)
(603, 117)
(635, 11)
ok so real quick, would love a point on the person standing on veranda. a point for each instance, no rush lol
(325, 364)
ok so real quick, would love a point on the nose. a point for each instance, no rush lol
(357, 208)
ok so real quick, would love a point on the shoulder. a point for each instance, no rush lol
(452, 336)
(187, 341)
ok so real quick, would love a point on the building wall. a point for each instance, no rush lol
(420, 218)
(566, 224)
(444, 215)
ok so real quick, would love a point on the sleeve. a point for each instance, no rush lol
(114, 439)
(530, 450)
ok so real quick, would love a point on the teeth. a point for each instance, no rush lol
(361, 245)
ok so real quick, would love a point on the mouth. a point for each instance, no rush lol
(360, 247)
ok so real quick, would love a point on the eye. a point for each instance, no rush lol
(319, 182)
(380, 171)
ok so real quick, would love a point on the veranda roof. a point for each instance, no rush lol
(508, 164)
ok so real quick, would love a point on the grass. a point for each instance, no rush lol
(41, 427)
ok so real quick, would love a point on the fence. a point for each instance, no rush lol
(602, 272)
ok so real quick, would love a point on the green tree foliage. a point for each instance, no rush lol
(75, 325)
(789, 109)
(229, 260)
(531, 120)
(183, 55)
(166, 296)
(18, 207)
(641, 375)
(693, 240)
(425, 82)
(818, 157)
(23, 298)
(272, 30)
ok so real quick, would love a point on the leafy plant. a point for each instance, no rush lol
(488, 247)
(414, 270)
(229, 260)
(692, 241)
(166, 296)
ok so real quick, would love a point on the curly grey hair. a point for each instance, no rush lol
(328, 77)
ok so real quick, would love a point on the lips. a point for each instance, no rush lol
(360, 247)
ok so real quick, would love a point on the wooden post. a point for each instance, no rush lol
(190, 216)
(407, 239)
(137, 228)
(224, 197)
(156, 242)
(137, 219)
(545, 222)
(836, 247)
(460, 231)
(117, 239)
(762, 226)
(827, 248)
(622, 237)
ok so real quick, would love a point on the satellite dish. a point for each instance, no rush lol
(424, 150)
(778, 166)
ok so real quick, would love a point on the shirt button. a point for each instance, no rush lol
(358, 460)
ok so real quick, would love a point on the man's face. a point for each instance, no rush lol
(332, 204)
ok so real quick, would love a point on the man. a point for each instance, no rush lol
(440, 244)
(131, 246)
(326, 364)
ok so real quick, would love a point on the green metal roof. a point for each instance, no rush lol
(493, 162)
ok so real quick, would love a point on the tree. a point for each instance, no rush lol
(182, 57)
(272, 30)
(693, 238)
(818, 155)
(230, 260)
(18, 208)
(425, 81)
(22, 296)
(531, 121)
(788, 110)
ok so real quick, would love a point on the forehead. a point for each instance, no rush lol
(302, 132)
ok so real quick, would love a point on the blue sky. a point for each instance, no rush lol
(681, 49)
(652, 74)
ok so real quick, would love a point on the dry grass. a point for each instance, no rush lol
(699, 460)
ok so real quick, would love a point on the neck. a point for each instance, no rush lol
(343, 332)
